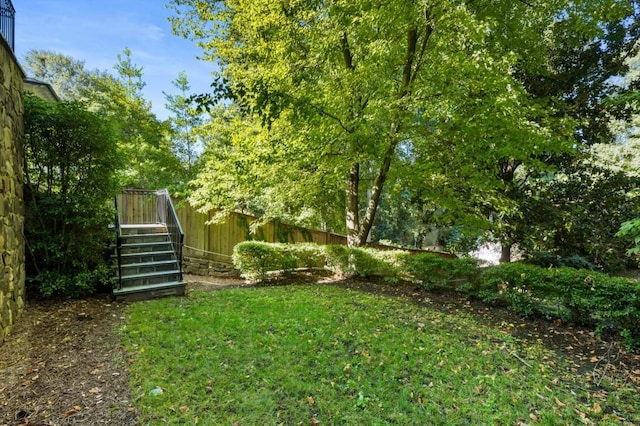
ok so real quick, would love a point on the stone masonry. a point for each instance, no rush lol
(12, 257)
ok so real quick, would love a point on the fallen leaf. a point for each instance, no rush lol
(560, 403)
(75, 410)
(314, 421)
(95, 390)
(184, 408)
(310, 400)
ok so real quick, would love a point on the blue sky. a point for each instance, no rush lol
(95, 31)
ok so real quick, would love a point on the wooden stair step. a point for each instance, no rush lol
(157, 274)
(150, 291)
(145, 264)
(147, 253)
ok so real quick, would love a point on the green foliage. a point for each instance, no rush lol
(573, 295)
(185, 119)
(362, 261)
(335, 104)
(546, 260)
(578, 213)
(631, 228)
(68, 76)
(579, 296)
(70, 167)
(460, 239)
(143, 140)
(434, 271)
(255, 258)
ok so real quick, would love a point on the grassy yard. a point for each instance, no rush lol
(310, 354)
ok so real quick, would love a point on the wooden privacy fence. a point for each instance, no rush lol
(208, 248)
(215, 242)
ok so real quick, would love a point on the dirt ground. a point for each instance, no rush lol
(64, 365)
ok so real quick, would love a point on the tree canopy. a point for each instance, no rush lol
(335, 102)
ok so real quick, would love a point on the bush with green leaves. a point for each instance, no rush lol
(573, 295)
(435, 271)
(256, 258)
(575, 217)
(547, 259)
(70, 167)
(363, 261)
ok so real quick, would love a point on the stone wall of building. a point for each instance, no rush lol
(12, 257)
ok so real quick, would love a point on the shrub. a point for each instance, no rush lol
(70, 177)
(547, 259)
(363, 261)
(576, 295)
(432, 270)
(255, 258)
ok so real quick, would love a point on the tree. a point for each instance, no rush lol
(186, 118)
(350, 93)
(142, 139)
(576, 214)
(68, 76)
(580, 72)
(70, 175)
(625, 155)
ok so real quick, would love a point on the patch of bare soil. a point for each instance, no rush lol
(64, 363)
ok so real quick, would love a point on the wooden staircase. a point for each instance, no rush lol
(148, 255)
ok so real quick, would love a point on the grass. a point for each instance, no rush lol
(328, 355)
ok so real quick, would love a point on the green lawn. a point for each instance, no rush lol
(326, 355)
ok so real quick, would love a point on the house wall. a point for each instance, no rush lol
(12, 257)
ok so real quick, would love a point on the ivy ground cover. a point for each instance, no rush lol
(322, 354)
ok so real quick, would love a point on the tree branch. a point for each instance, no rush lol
(423, 48)
(346, 52)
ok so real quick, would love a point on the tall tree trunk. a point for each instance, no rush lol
(352, 207)
(505, 252)
(358, 232)
(376, 191)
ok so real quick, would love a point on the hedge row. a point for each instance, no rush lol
(255, 259)
(572, 295)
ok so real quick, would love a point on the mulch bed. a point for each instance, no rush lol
(64, 364)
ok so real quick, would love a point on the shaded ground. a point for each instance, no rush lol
(63, 363)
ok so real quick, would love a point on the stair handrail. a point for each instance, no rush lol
(169, 217)
(118, 241)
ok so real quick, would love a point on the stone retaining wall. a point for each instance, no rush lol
(205, 267)
(12, 270)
